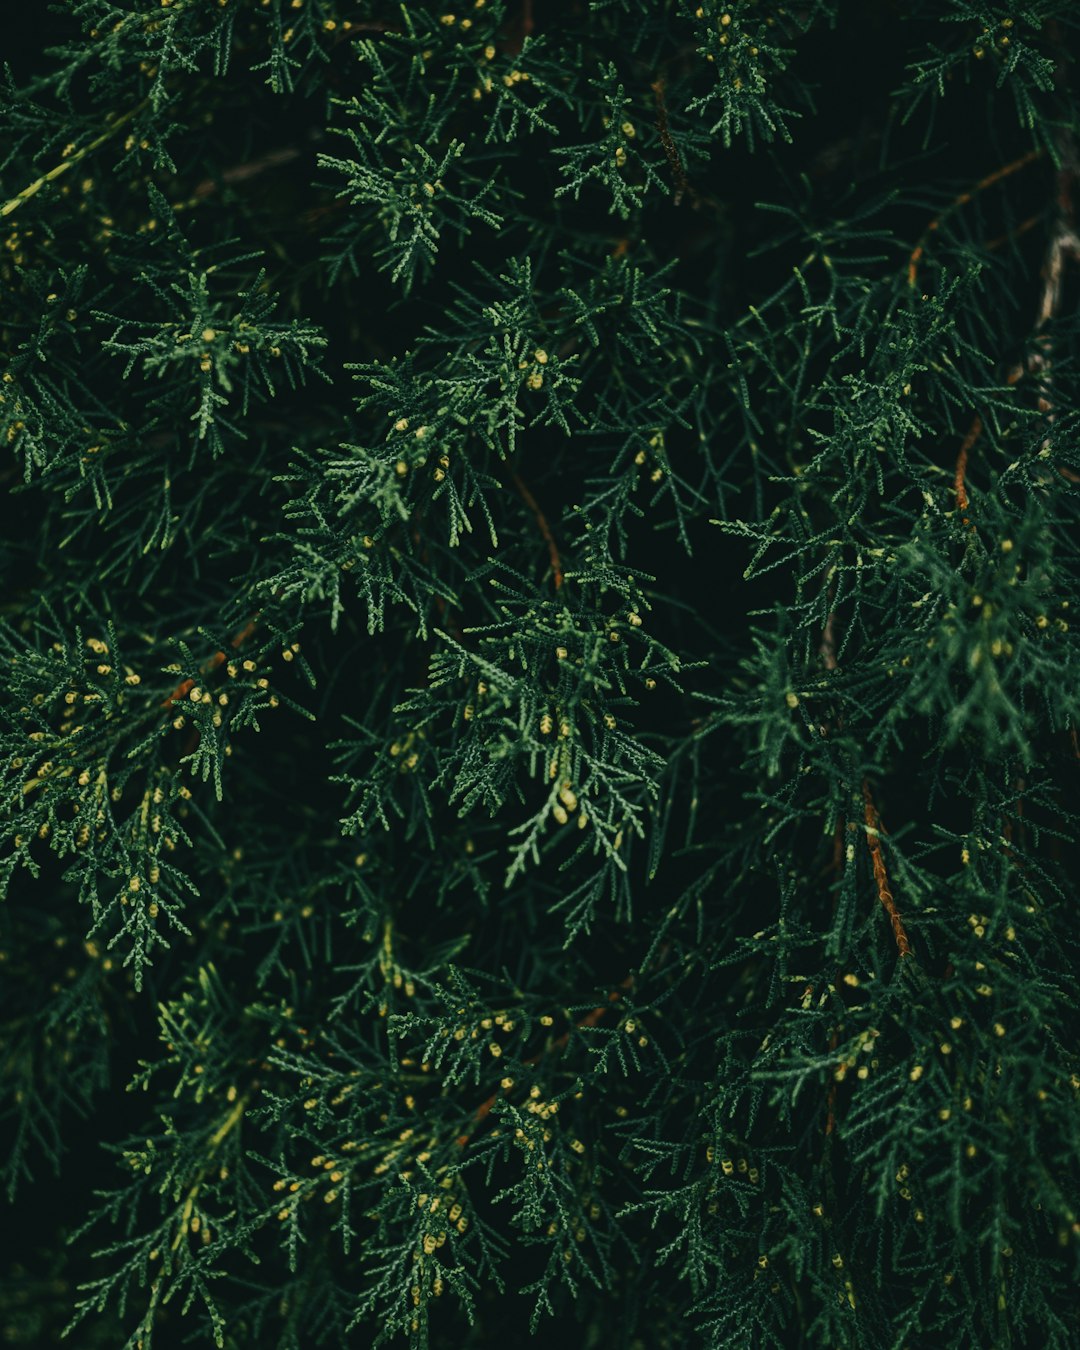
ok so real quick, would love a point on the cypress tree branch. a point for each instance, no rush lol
(962, 199)
(75, 156)
(544, 527)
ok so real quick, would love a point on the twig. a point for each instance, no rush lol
(545, 529)
(1064, 245)
(962, 200)
(185, 686)
(827, 650)
(683, 186)
(518, 30)
(1001, 239)
(239, 173)
(974, 432)
(885, 895)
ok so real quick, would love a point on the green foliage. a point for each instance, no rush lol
(541, 703)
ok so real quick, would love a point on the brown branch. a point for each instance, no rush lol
(974, 432)
(1010, 235)
(683, 186)
(885, 895)
(545, 529)
(1063, 246)
(962, 200)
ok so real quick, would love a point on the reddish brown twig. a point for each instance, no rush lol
(885, 895)
(1001, 239)
(962, 200)
(545, 529)
(974, 432)
(589, 1020)
(185, 686)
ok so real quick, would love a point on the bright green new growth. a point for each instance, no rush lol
(540, 698)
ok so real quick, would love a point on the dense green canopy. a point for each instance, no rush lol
(539, 687)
